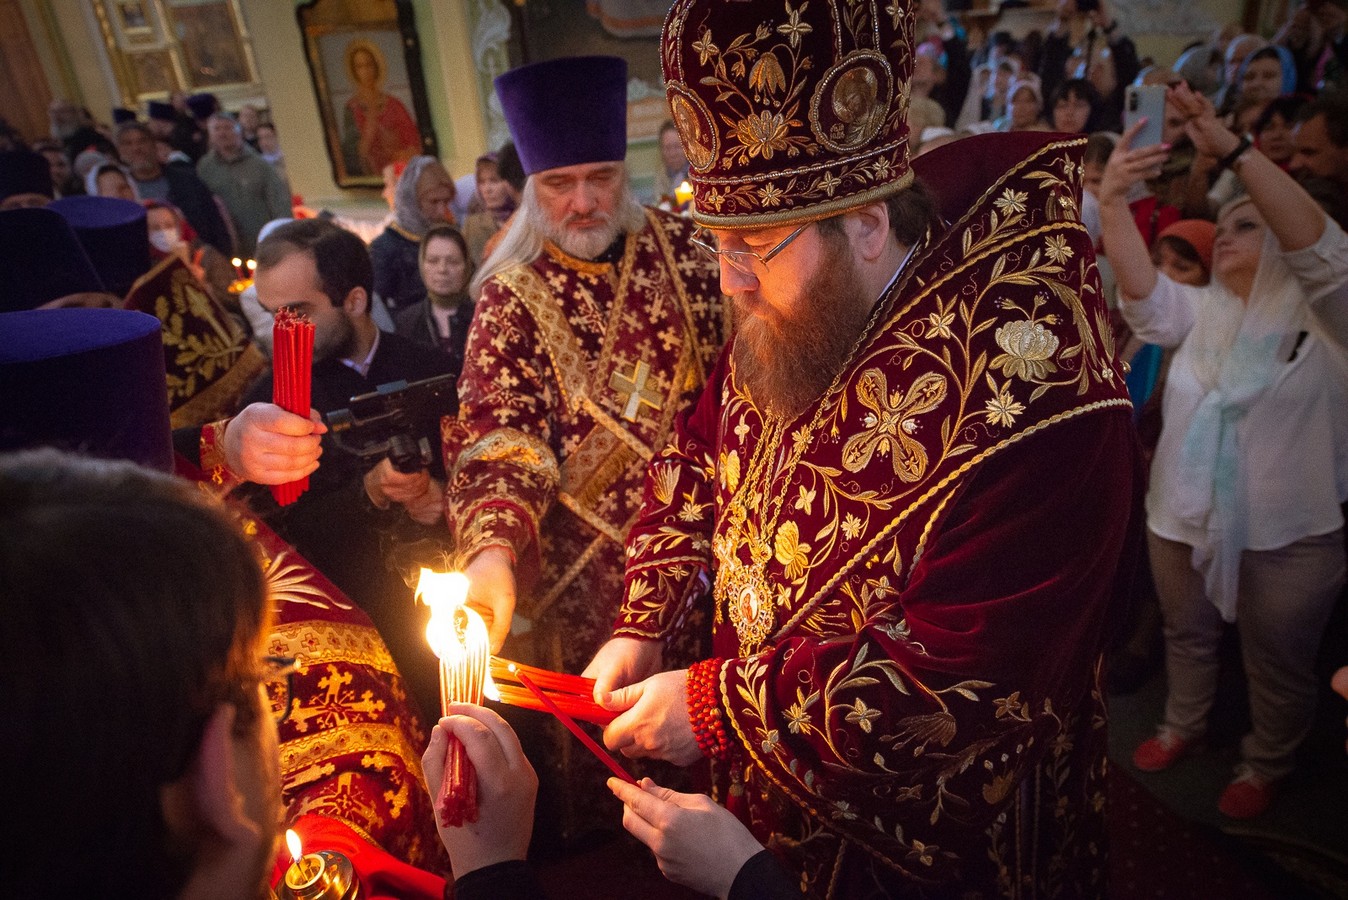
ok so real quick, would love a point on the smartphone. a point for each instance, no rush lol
(1144, 102)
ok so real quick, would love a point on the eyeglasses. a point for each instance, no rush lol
(741, 260)
(278, 679)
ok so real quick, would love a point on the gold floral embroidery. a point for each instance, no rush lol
(891, 420)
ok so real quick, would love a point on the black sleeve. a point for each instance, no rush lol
(958, 72)
(187, 443)
(190, 194)
(511, 880)
(1057, 51)
(763, 878)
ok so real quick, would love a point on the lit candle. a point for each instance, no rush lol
(238, 267)
(459, 638)
(252, 266)
(325, 875)
(683, 193)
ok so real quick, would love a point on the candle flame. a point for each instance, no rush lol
(489, 689)
(457, 634)
(236, 262)
(683, 193)
(252, 265)
(293, 844)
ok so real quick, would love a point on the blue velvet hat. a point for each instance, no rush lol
(203, 105)
(114, 234)
(41, 259)
(162, 111)
(24, 172)
(565, 112)
(121, 115)
(87, 380)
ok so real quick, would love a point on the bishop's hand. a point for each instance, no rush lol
(655, 722)
(491, 591)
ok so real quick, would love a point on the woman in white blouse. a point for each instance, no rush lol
(1243, 510)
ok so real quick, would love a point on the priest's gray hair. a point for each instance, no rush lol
(523, 240)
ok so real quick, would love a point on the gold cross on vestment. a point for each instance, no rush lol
(636, 390)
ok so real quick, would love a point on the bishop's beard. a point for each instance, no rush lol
(786, 363)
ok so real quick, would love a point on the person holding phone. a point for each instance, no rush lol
(1243, 514)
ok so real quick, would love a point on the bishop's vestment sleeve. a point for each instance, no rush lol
(669, 556)
(917, 730)
(499, 454)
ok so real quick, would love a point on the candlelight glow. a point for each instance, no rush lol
(236, 262)
(458, 636)
(683, 193)
(489, 689)
(293, 844)
(252, 265)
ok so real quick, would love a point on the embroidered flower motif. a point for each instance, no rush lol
(762, 134)
(796, 717)
(851, 526)
(805, 500)
(1028, 347)
(663, 481)
(741, 429)
(715, 199)
(789, 551)
(1003, 409)
(794, 28)
(766, 75)
(1012, 201)
(1057, 249)
(769, 740)
(730, 470)
(770, 195)
(692, 511)
(862, 715)
(922, 852)
(995, 791)
(881, 169)
(828, 183)
(886, 426)
(704, 47)
(938, 325)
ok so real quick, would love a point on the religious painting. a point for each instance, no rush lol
(135, 23)
(366, 66)
(213, 54)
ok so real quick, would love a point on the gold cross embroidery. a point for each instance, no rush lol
(636, 390)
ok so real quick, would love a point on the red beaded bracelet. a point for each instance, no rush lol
(704, 708)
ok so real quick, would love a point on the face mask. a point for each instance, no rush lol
(166, 240)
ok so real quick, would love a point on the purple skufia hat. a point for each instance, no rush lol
(113, 233)
(565, 112)
(24, 172)
(86, 380)
(162, 111)
(122, 115)
(41, 260)
(203, 105)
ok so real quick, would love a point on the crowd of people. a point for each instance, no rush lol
(756, 462)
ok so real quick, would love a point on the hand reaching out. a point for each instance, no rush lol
(267, 445)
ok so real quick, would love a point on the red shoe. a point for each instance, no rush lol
(1247, 796)
(1160, 752)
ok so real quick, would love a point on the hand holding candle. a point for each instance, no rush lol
(292, 375)
(458, 636)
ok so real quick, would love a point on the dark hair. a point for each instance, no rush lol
(1333, 105)
(1181, 248)
(1099, 145)
(445, 230)
(134, 607)
(342, 261)
(1081, 89)
(1268, 52)
(667, 125)
(134, 126)
(509, 167)
(912, 211)
(1287, 106)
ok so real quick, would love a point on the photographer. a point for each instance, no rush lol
(365, 527)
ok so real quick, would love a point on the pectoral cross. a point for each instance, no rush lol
(636, 390)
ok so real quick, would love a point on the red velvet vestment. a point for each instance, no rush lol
(548, 454)
(351, 745)
(911, 580)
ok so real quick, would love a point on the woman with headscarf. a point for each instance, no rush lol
(1243, 514)
(1266, 74)
(422, 198)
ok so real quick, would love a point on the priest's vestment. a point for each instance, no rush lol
(573, 375)
(912, 579)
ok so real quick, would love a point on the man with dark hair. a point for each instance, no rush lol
(143, 699)
(1322, 139)
(360, 524)
(906, 487)
(176, 183)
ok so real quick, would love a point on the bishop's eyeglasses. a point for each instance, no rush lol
(741, 260)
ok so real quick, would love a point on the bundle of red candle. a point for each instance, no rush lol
(292, 374)
(572, 694)
(456, 802)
